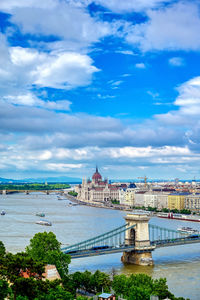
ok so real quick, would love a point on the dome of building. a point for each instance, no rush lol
(96, 176)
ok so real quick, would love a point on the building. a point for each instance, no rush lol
(139, 198)
(162, 200)
(177, 201)
(192, 202)
(127, 196)
(98, 190)
(51, 273)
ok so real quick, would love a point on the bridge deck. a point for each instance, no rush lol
(154, 244)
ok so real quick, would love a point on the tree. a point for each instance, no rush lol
(99, 281)
(57, 293)
(139, 293)
(120, 285)
(4, 289)
(12, 266)
(41, 244)
(2, 249)
(160, 288)
(141, 287)
(86, 281)
(44, 247)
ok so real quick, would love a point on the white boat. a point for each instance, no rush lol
(187, 230)
(44, 222)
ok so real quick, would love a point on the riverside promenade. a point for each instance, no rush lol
(98, 204)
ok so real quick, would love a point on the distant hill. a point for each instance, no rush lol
(63, 179)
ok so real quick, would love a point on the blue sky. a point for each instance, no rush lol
(113, 83)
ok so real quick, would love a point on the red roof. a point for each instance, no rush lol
(97, 176)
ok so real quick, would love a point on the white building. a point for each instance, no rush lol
(192, 202)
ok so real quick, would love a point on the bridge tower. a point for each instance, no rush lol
(139, 238)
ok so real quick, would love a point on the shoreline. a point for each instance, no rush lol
(126, 209)
(96, 204)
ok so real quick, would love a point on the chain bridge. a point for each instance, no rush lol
(136, 239)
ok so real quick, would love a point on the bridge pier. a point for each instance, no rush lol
(137, 258)
(138, 237)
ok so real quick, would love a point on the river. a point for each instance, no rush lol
(71, 224)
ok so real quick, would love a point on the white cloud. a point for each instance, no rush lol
(133, 152)
(140, 65)
(125, 52)
(45, 155)
(9, 5)
(174, 27)
(58, 167)
(71, 24)
(65, 70)
(119, 6)
(23, 68)
(115, 83)
(30, 99)
(176, 61)
(100, 96)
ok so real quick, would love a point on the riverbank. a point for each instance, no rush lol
(97, 204)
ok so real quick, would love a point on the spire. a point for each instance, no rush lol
(97, 169)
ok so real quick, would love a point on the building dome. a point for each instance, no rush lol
(96, 176)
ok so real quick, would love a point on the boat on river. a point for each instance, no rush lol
(187, 230)
(44, 222)
(181, 217)
(40, 215)
(3, 212)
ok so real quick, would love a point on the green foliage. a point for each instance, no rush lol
(99, 281)
(41, 246)
(72, 193)
(88, 282)
(2, 249)
(44, 247)
(4, 289)
(141, 287)
(34, 186)
(139, 293)
(166, 210)
(115, 201)
(11, 268)
(149, 208)
(57, 293)
(185, 211)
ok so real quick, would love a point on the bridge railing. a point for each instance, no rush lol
(160, 233)
(110, 239)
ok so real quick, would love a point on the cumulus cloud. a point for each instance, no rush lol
(58, 19)
(174, 27)
(65, 71)
(24, 68)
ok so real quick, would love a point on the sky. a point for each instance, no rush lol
(108, 83)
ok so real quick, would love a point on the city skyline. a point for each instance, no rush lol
(108, 83)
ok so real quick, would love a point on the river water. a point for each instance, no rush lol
(71, 224)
